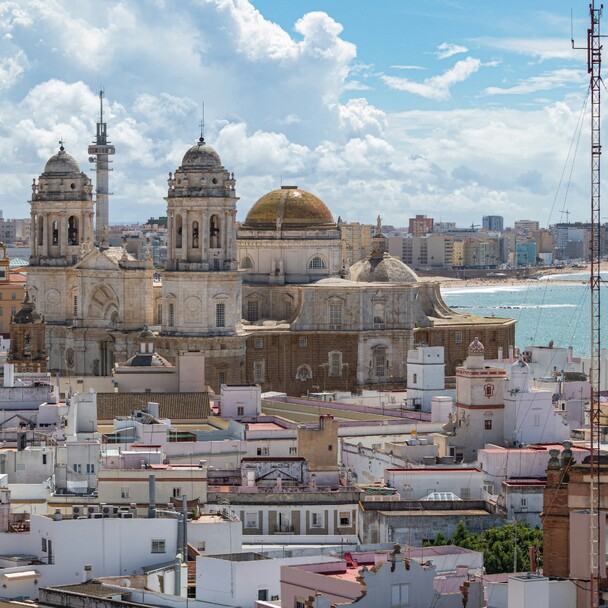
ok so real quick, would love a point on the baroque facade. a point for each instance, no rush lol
(272, 301)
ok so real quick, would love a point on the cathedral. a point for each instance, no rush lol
(269, 301)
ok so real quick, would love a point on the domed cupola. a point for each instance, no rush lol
(202, 156)
(289, 208)
(62, 163)
(476, 348)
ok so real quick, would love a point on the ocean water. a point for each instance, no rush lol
(544, 310)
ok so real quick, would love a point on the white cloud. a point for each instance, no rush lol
(356, 85)
(11, 68)
(407, 67)
(447, 50)
(539, 48)
(543, 82)
(436, 87)
(358, 117)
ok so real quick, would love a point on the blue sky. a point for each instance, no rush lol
(454, 109)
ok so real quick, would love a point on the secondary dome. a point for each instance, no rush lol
(289, 208)
(382, 269)
(62, 162)
(201, 156)
(476, 347)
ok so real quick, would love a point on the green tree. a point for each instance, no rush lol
(498, 545)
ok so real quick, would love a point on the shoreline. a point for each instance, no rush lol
(450, 282)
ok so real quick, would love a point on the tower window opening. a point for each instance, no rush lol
(195, 235)
(72, 230)
(55, 233)
(214, 232)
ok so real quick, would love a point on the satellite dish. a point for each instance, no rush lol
(92, 159)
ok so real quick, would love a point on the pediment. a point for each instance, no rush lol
(97, 260)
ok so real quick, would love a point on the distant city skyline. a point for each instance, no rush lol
(454, 110)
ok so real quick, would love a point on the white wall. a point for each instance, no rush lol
(247, 397)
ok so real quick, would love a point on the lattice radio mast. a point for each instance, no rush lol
(594, 63)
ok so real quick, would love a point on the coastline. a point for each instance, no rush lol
(450, 282)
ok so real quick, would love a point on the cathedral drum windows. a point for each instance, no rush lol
(317, 263)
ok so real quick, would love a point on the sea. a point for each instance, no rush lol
(544, 309)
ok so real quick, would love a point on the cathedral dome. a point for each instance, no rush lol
(290, 209)
(201, 156)
(62, 162)
(382, 269)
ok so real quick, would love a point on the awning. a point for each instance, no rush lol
(21, 576)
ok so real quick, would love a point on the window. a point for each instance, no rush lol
(304, 373)
(253, 311)
(258, 372)
(220, 314)
(251, 520)
(262, 595)
(240, 410)
(159, 314)
(465, 493)
(344, 519)
(222, 377)
(13, 296)
(378, 315)
(536, 419)
(262, 451)
(171, 319)
(158, 545)
(77, 468)
(380, 362)
(317, 263)
(489, 390)
(415, 379)
(195, 241)
(458, 337)
(335, 364)
(178, 231)
(247, 263)
(400, 595)
(524, 502)
(303, 342)
(90, 469)
(330, 448)
(258, 343)
(75, 305)
(216, 264)
(293, 451)
(299, 602)
(13, 310)
(316, 520)
(176, 493)
(125, 492)
(44, 546)
(488, 425)
(44, 459)
(335, 316)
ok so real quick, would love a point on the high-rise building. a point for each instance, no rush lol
(420, 225)
(495, 223)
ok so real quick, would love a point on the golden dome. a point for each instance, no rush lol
(290, 209)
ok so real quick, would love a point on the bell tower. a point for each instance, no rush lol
(61, 212)
(201, 282)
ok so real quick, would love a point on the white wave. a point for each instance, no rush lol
(456, 291)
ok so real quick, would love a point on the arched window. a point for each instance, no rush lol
(72, 230)
(304, 373)
(195, 235)
(247, 263)
(316, 263)
(178, 231)
(214, 232)
(40, 221)
(378, 315)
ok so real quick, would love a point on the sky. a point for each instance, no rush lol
(454, 108)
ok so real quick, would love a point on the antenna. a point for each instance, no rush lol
(594, 62)
(567, 214)
(202, 122)
(101, 94)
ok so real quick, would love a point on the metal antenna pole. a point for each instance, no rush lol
(594, 63)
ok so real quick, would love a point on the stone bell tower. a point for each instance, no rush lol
(61, 212)
(201, 284)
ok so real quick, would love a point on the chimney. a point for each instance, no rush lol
(151, 496)
(87, 573)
